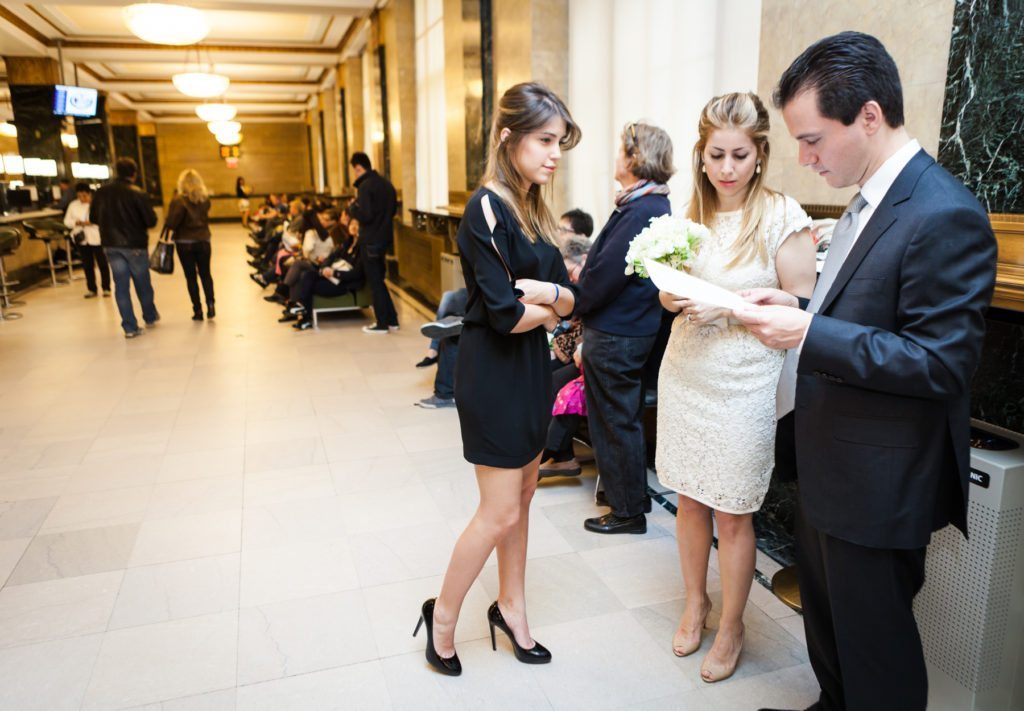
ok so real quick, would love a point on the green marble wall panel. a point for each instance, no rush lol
(982, 139)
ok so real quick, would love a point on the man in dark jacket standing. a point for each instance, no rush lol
(374, 207)
(124, 215)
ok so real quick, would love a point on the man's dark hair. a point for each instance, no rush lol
(82, 188)
(846, 70)
(126, 168)
(360, 159)
(582, 223)
(331, 214)
(65, 181)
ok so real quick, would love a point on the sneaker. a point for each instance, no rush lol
(377, 330)
(302, 325)
(442, 328)
(435, 403)
(297, 309)
(153, 322)
(394, 328)
(275, 299)
(258, 278)
(91, 294)
(106, 293)
(427, 362)
(134, 334)
(287, 317)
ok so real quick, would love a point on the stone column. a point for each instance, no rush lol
(531, 43)
(332, 138)
(31, 81)
(397, 34)
(355, 128)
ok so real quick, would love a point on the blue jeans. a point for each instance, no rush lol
(613, 366)
(132, 265)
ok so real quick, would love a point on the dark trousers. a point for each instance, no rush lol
(862, 637)
(613, 367)
(311, 283)
(383, 307)
(195, 259)
(129, 266)
(93, 258)
(444, 379)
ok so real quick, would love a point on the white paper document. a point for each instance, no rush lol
(690, 287)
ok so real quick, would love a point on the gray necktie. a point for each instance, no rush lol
(842, 240)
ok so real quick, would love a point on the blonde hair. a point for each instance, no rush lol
(523, 109)
(191, 186)
(649, 150)
(742, 111)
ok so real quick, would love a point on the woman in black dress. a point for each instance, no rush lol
(518, 288)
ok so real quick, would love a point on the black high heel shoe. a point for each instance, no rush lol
(451, 666)
(537, 654)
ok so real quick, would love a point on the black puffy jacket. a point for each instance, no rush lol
(124, 215)
(374, 207)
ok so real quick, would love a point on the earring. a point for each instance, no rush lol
(703, 169)
(757, 169)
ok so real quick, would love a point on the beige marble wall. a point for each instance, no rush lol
(274, 157)
(915, 32)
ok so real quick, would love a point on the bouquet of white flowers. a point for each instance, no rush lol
(672, 241)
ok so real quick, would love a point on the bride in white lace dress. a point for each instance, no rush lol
(716, 389)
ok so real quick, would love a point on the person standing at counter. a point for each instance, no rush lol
(88, 234)
(125, 216)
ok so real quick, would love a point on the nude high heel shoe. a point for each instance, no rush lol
(685, 646)
(711, 672)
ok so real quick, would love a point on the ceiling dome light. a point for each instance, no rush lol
(160, 23)
(229, 139)
(216, 112)
(224, 127)
(201, 85)
(8, 129)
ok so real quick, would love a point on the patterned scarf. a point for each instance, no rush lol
(638, 190)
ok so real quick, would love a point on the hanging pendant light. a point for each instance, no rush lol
(160, 23)
(225, 127)
(228, 139)
(200, 85)
(216, 112)
(196, 82)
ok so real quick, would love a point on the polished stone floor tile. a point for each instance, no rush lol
(142, 665)
(232, 515)
(74, 553)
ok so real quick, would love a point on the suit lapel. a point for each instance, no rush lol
(881, 220)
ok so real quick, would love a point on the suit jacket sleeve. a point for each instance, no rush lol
(946, 279)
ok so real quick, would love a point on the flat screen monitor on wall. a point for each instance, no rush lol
(74, 101)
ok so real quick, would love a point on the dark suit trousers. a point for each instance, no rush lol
(376, 270)
(861, 633)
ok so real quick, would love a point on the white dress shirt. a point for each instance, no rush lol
(79, 211)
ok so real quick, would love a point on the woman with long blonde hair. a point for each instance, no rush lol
(517, 289)
(716, 389)
(188, 219)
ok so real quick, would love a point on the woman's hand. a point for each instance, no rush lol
(553, 319)
(701, 314)
(671, 302)
(541, 293)
(769, 297)
(326, 272)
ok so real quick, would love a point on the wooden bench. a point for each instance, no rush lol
(352, 301)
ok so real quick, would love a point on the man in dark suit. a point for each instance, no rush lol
(880, 361)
